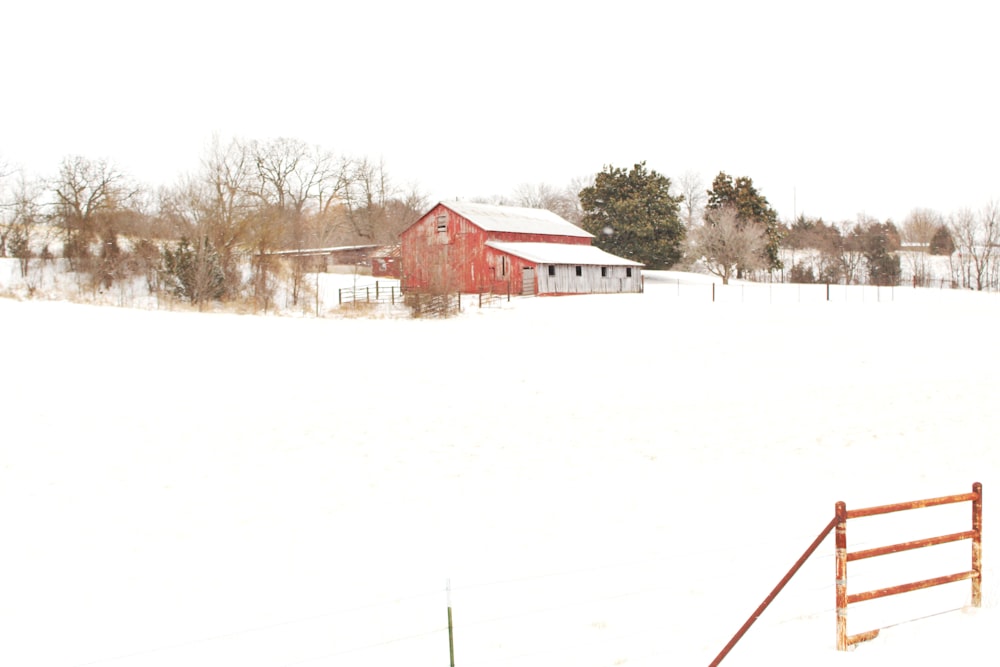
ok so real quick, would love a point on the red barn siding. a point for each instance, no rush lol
(517, 237)
(450, 261)
(385, 267)
(386, 263)
(510, 270)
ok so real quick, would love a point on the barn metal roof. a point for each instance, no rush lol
(515, 219)
(561, 253)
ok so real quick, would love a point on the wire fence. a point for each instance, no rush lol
(647, 610)
(421, 304)
(375, 293)
(794, 293)
(643, 611)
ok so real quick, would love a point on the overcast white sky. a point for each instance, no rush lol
(832, 108)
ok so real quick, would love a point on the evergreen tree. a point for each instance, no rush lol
(879, 244)
(941, 242)
(633, 215)
(194, 273)
(752, 208)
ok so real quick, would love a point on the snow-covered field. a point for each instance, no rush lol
(605, 480)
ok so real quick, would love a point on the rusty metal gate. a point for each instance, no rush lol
(843, 557)
(839, 522)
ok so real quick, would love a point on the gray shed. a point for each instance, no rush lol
(559, 268)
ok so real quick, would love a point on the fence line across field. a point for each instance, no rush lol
(599, 611)
(788, 293)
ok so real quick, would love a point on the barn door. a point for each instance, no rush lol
(528, 281)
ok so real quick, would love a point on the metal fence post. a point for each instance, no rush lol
(451, 629)
(977, 546)
(841, 546)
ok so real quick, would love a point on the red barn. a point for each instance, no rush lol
(467, 247)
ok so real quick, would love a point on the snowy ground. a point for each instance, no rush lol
(606, 480)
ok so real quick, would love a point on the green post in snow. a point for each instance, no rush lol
(451, 631)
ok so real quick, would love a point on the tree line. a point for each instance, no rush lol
(731, 230)
(213, 234)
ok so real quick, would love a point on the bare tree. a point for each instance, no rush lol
(723, 244)
(976, 236)
(693, 193)
(368, 192)
(22, 218)
(917, 232)
(851, 251)
(920, 226)
(564, 202)
(86, 189)
(6, 207)
(217, 205)
(296, 188)
(94, 200)
(537, 195)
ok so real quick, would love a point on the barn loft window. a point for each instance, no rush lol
(552, 269)
(579, 270)
(604, 272)
(442, 223)
(628, 271)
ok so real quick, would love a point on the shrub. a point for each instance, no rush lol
(941, 242)
(802, 273)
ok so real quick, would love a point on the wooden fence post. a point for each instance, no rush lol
(977, 546)
(841, 547)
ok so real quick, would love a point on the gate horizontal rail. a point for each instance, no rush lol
(906, 546)
(912, 505)
(906, 588)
